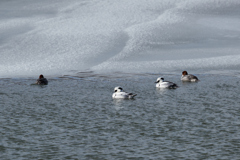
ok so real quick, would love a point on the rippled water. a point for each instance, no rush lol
(76, 118)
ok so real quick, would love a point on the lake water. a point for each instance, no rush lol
(75, 117)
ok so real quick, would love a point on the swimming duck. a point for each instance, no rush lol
(41, 80)
(188, 77)
(118, 93)
(165, 84)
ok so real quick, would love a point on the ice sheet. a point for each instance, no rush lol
(64, 37)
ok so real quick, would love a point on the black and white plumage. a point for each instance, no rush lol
(188, 77)
(165, 84)
(119, 93)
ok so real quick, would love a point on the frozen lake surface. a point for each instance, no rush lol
(66, 37)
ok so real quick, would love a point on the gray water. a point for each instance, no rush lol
(76, 118)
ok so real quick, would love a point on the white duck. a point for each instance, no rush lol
(165, 84)
(188, 77)
(118, 93)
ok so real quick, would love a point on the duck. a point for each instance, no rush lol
(41, 80)
(165, 84)
(188, 77)
(120, 94)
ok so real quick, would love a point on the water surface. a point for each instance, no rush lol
(76, 118)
